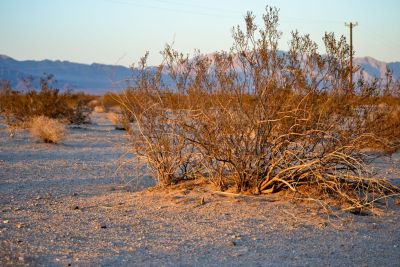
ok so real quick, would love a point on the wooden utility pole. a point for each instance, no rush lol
(351, 25)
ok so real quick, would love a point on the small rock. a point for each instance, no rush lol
(19, 225)
(202, 202)
(21, 258)
(233, 243)
(237, 237)
(6, 221)
(38, 197)
(101, 226)
(75, 207)
(74, 194)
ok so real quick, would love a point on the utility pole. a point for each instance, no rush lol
(351, 25)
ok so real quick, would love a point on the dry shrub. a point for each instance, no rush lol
(99, 109)
(262, 121)
(118, 120)
(19, 107)
(109, 100)
(47, 130)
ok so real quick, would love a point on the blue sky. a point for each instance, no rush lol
(120, 31)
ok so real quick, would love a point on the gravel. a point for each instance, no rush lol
(83, 202)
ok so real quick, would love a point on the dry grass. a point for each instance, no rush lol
(118, 120)
(114, 117)
(99, 109)
(47, 130)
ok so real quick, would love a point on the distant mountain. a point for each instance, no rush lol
(94, 78)
(375, 68)
(100, 78)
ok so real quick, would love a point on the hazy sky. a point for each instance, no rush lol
(120, 31)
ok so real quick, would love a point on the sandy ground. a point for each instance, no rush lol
(76, 204)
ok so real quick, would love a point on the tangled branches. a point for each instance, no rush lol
(260, 122)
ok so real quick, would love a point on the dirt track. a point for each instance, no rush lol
(67, 204)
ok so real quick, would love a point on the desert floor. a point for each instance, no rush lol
(83, 202)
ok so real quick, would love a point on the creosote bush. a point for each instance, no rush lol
(47, 130)
(263, 121)
(19, 107)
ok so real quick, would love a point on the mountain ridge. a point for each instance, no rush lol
(97, 78)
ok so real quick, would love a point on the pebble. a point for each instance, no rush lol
(237, 237)
(101, 226)
(6, 221)
(19, 225)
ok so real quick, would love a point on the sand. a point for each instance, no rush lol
(83, 202)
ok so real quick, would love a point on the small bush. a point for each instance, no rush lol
(118, 120)
(19, 107)
(47, 130)
(99, 109)
(109, 100)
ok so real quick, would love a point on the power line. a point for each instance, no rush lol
(175, 10)
(187, 8)
(378, 37)
(186, 4)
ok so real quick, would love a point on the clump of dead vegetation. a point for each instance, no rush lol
(263, 121)
(47, 130)
(19, 107)
(119, 120)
